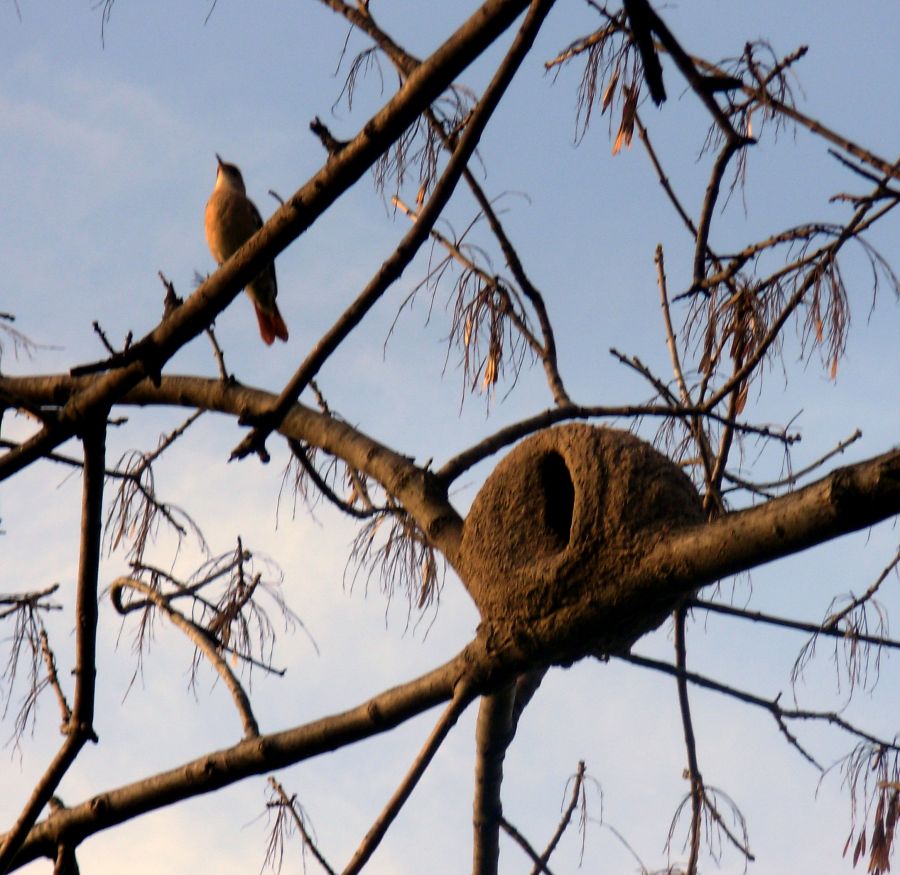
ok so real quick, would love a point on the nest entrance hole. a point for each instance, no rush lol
(559, 498)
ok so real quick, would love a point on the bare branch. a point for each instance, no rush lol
(299, 212)
(493, 734)
(462, 696)
(275, 850)
(576, 798)
(525, 845)
(80, 728)
(202, 640)
(218, 769)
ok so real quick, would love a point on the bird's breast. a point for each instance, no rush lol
(229, 224)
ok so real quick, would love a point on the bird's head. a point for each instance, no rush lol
(229, 176)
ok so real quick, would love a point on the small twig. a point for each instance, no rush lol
(564, 821)
(288, 803)
(331, 143)
(690, 742)
(525, 845)
(53, 679)
(797, 475)
(670, 332)
(720, 165)
(220, 356)
(462, 697)
(103, 338)
(771, 705)
(300, 454)
(830, 630)
(203, 640)
(834, 619)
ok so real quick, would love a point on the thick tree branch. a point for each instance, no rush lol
(846, 500)
(493, 733)
(265, 753)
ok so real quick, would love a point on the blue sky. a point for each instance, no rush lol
(107, 161)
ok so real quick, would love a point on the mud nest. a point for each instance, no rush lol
(558, 529)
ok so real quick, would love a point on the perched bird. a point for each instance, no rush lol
(231, 220)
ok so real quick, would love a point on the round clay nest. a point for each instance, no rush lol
(563, 518)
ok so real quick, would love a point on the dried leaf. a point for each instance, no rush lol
(741, 398)
(490, 372)
(610, 91)
(860, 848)
(626, 128)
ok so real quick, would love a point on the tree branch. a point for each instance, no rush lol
(256, 756)
(493, 733)
(80, 728)
(394, 266)
(202, 640)
(298, 213)
(462, 696)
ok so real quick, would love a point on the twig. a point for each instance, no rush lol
(797, 475)
(720, 165)
(663, 179)
(53, 680)
(459, 464)
(462, 696)
(103, 338)
(288, 803)
(850, 230)
(491, 282)
(300, 454)
(405, 64)
(829, 630)
(834, 619)
(771, 705)
(202, 639)
(525, 845)
(690, 742)
(667, 319)
(564, 821)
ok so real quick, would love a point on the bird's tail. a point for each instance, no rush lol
(271, 325)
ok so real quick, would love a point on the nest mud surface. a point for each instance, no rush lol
(553, 538)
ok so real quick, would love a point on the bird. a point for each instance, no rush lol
(231, 220)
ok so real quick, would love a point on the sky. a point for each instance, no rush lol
(108, 135)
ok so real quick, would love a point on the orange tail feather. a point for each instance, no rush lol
(271, 325)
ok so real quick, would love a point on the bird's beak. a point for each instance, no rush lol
(219, 159)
